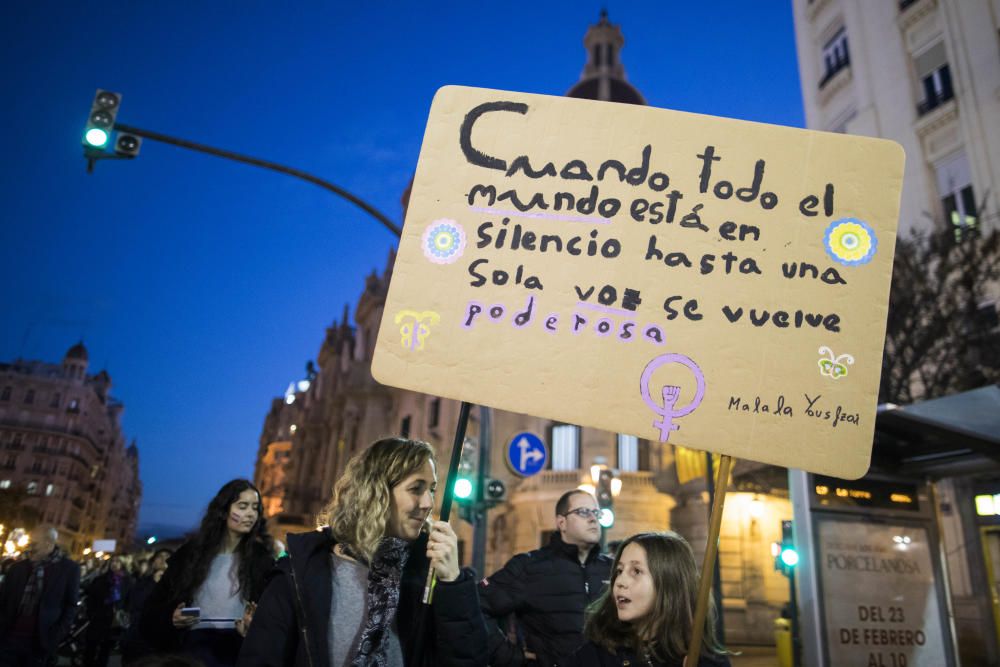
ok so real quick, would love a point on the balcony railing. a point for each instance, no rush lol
(834, 69)
(934, 101)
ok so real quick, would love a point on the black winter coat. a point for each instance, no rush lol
(548, 589)
(455, 634)
(57, 606)
(156, 626)
(592, 655)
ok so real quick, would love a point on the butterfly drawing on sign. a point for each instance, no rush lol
(834, 367)
(416, 327)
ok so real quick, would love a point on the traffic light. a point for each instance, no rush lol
(494, 492)
(127, 145)
(605, 498)
(101, 122)
(465, 481)
(788, 556)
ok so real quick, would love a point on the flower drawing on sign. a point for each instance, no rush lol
(850, 241)
(670, 393)
(415, 327)
(835, 367)
(443, 241)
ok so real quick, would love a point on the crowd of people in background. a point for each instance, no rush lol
(379, 584)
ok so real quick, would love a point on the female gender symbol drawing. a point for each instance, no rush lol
(667, 412)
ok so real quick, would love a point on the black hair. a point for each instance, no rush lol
(207, 541)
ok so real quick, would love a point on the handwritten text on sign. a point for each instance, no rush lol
(703, 281)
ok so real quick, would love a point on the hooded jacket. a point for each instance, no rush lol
(291, 622)
(548, 590)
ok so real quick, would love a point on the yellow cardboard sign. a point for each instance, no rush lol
(702, 281)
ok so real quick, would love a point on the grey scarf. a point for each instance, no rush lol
(384, 574)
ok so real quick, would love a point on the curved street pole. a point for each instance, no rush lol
(266, 164)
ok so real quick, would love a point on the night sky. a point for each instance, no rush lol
(203, 286)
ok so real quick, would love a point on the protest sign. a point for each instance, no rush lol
(696, 280)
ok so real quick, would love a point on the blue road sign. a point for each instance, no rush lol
(526, 454)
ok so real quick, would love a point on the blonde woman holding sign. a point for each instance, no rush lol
(350, 594)
(644, 618)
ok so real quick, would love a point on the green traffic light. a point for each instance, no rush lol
(97, 137)
(790, 557)
(463, 488)
(607, 518)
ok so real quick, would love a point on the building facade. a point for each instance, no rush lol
(324, 420)
(63, 458)
(926, 74)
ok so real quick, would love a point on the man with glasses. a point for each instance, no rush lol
(547, 590)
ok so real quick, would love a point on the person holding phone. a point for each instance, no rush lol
(204, 601)
(351, 593)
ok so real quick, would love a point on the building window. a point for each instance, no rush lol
(5, 395)
(56, 398)
(32, 488)
(5, 484)
(50, 489)
(404, 427)
(565, 447)
(935, 79)
(835, 56)
(29, 396)
(958, 200)
(434, 413)
(73, 405)
(628, 453)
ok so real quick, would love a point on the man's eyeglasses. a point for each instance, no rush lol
(585, 513)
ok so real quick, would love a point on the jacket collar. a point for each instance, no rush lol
(571, 551)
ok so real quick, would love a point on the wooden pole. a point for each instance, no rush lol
(449, 487)
(707, 565)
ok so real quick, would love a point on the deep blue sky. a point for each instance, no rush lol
(203, 285)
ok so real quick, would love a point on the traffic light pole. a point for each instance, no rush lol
(265, 164)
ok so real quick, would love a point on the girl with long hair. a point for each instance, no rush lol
(220, 571)
(350, 593)
(645, 616)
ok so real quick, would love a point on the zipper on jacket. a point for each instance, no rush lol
(300, 611)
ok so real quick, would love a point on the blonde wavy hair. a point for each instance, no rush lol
(362, 497)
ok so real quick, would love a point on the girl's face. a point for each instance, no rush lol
(411, 503)
(634, 591)
(243, 513)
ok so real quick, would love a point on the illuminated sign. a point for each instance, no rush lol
(832, 492)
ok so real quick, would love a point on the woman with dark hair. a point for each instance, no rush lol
(646, 614)
(220, 573)
(350, 594)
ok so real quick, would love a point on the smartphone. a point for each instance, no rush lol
(191, 611)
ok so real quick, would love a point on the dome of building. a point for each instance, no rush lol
(78, 352)
(603, 76)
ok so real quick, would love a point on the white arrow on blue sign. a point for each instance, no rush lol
(526, 454)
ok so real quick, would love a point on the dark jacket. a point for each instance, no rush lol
(455, 634)
(57, 606)
(548, 589)
(156, 625)
(100, 612)
(592, 655)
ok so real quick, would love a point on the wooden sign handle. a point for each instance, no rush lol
(711, 552)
